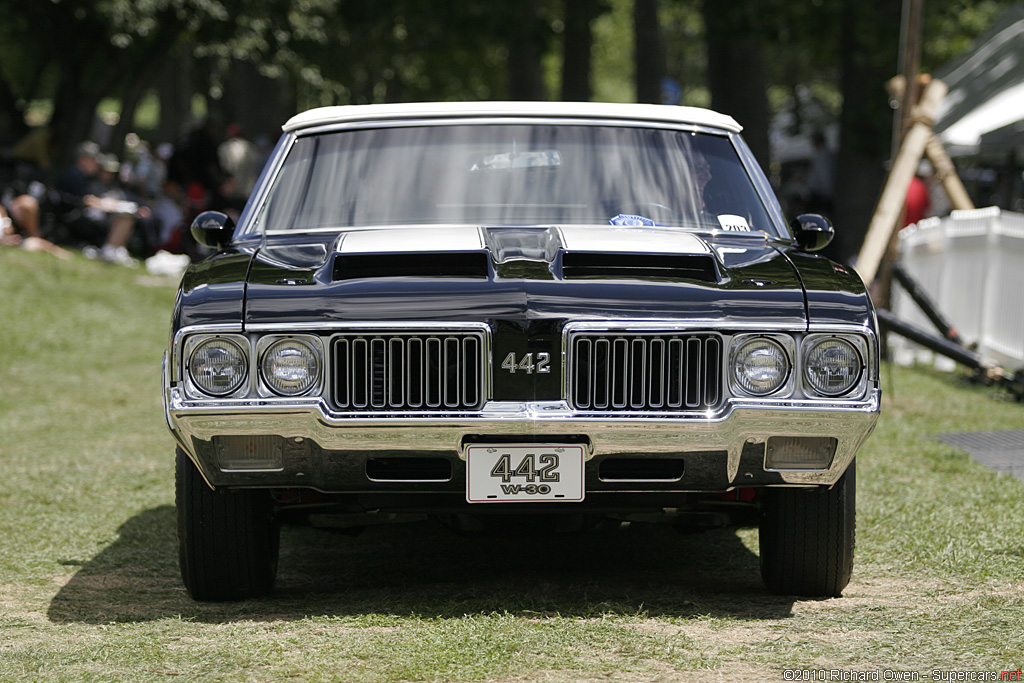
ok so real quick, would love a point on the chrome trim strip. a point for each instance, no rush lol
(412, 327)
(483, 119)
(740, 424)
(762, 186)
(674, 325)
(249, 222)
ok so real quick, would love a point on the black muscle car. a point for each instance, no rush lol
(568, 311)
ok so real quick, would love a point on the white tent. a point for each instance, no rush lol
(986, 86)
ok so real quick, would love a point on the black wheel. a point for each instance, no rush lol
(807, 538)
(227, 540)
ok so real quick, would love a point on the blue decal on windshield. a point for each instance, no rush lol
(630, 220)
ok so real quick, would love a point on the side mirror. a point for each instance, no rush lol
(812, 232)
(213, 229)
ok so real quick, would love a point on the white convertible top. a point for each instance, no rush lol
(590, 110)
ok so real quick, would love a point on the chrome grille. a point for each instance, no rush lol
(408, 371)
(647, 371)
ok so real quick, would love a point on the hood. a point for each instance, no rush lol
(457, 273)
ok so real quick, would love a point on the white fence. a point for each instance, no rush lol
(971, 264)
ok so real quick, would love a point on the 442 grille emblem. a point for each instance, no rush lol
(527, 363)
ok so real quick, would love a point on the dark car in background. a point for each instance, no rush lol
(487, 311)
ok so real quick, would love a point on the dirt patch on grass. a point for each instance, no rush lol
(880, 624)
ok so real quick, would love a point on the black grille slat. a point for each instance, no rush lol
(470, 374)
(378, 373)
(399, 371)
(645, 371)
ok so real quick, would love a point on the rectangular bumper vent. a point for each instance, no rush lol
(641, 469)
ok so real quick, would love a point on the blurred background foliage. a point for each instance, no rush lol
(155, 66)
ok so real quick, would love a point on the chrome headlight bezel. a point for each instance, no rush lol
(858, 384)
(237, 345)
(269, 344)
(781, 343)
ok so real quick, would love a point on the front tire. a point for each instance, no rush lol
(807, 538)
(227, 540)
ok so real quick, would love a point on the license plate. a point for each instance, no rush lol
(527, 473)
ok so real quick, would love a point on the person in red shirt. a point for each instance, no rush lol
(917, 204)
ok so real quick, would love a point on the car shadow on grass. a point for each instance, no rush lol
(429, 571)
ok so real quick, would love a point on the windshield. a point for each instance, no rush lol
(513, 174)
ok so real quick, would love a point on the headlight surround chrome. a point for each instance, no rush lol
(218, 366)
(760, 365)
(832, 366)
(290, 366)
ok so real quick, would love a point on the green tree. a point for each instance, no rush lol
(76, 52)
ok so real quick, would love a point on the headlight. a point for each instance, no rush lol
(760, 366)
(218, 366)
(290, 367)
(832, 366)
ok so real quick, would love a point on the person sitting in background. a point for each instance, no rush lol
(177, 248)
(95, 219)
(170, 215)
(22, 210)
(20, 226)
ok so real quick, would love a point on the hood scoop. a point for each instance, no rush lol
(526, 253)
(445, 264)
(523, 253)
(605, 265)
(522, 244)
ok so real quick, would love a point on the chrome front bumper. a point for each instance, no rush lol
(328, 451)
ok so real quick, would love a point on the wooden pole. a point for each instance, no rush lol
(910, 66)
(884, 222)
(945, 171)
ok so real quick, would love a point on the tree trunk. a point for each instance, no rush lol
(579, 39)
(145, 69)
(649, 51)
(736, 71)
(12, 118)
(175, 89)
(74, 111)
(870, 31)
(275, 102)
(525, 49)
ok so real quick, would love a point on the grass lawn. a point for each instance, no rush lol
(89, 584)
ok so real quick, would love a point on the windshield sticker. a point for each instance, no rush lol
(630, 220)
(735, 223)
